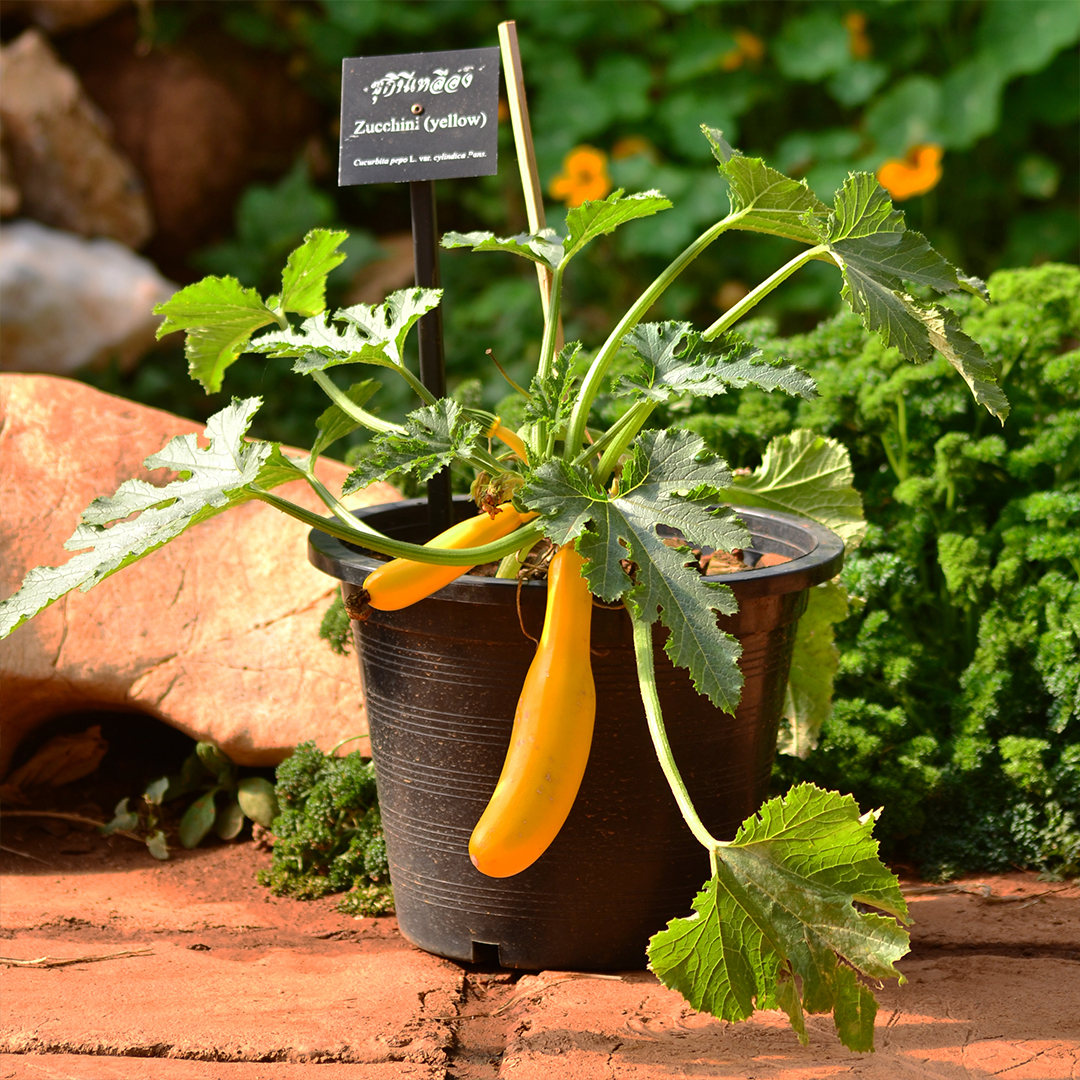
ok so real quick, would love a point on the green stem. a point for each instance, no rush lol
(752, 298)
(512, 563)
(551, 326)
(361, 416)
(332, 503)
(364, 536)
(575, 434)
(643, 651)
(893, 462)
(605, 439)
(640, 412)
(337, 746)
(421, 391)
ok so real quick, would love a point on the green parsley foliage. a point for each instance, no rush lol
(328, 835)
(965, 624)
(777, 926)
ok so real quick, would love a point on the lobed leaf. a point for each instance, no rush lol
(544, 247)
(551, 397)
(669, 480)
(584, 224)
(877, 254)
(598, 217)
(676, 362)
(807, 474)
(219, 315)
(434, 436)
(767, 200)
(303, 281)
(373, 334)
(814, 663)
(211, 480)
(778, 927)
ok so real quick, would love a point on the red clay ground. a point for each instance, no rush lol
(227, 982)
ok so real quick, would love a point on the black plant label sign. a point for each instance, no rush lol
(419, 116)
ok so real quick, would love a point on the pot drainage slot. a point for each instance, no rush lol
(485, 953)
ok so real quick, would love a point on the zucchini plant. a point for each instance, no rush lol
(798, 912)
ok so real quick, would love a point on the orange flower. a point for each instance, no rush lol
(584, 177)
(747, 47)
(915, 175)
(860, 45)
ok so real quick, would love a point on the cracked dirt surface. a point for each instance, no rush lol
(231, 983)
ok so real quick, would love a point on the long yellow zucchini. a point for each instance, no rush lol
(552, 734)
(402, 582)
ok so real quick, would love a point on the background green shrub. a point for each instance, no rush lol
(958, 695)
(817, 88)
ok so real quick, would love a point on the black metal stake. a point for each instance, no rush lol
(430, 333)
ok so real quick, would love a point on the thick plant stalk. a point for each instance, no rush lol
(643, 652)
(552, 734)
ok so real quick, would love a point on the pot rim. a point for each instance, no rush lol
(821, 561)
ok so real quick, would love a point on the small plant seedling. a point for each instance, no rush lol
(206, 773)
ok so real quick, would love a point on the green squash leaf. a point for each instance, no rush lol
(551, 397)
(814, 662)
(676, 362)
(544, 247)
(211, 480)
(303, 281)
(767, 200)
(373, 333)
(584, 224)
(877, 254)
(219, 315)
(807, 474)
(598, 217)
(434, 436)
(781, 909)
(670, 480)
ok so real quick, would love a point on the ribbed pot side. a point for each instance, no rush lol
(441, 680)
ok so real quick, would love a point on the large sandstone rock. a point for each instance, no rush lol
(66, 302)
(215, 633)
(66, 168)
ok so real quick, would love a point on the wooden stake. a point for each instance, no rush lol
(526, 153)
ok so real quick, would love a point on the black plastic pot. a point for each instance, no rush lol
(441, 681)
